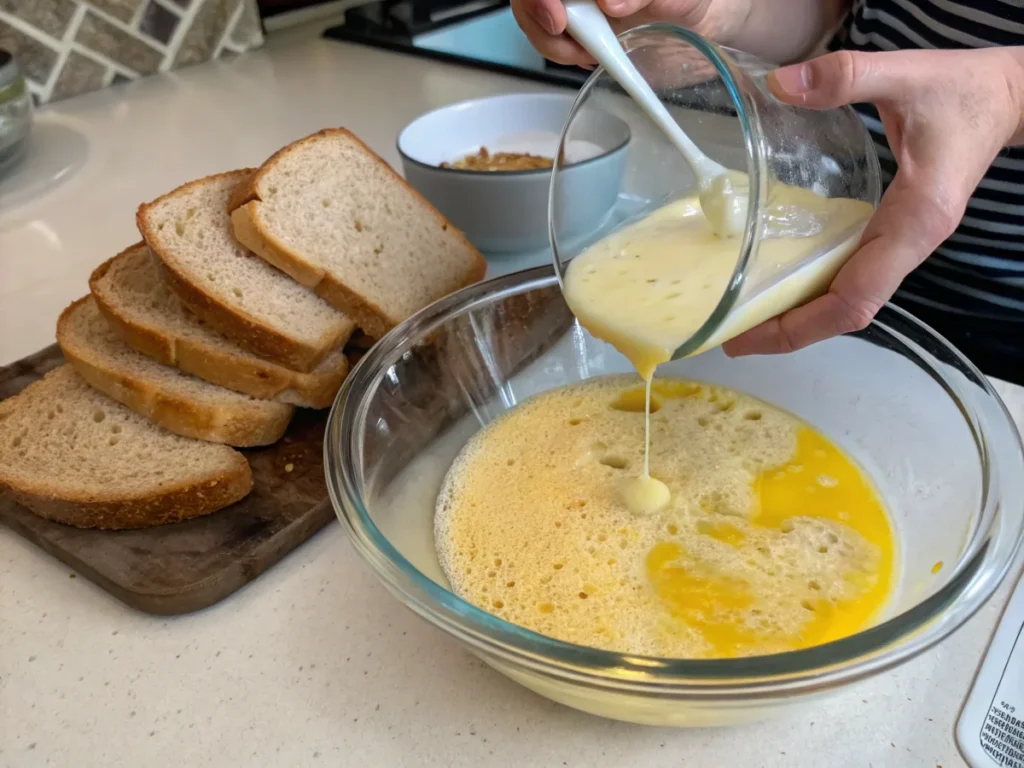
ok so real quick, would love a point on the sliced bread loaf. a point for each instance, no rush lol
(183, 404)
(243, 297)
(71, 454)
(134, 297)
(338, 219)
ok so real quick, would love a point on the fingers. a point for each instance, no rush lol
(849, 306)
(543, 22)
(846, 77)
(904, 231)
(618, 9)
(854, 298)
(547, 15)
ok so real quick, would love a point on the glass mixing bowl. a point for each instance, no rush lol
(720, 98)
(921, 420)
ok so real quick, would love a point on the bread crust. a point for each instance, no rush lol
(245, 330)
(243, 193)
(145, 511)
(262, 379)
(244, 425)
(250, 232)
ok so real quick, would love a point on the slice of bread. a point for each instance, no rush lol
(243, 297)
(73, 455)
(181, 403)
(134, 297)
(338, 219)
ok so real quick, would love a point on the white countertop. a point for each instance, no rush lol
(314, 663)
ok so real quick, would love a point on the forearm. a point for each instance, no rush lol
(1015, 86)
(780, 31)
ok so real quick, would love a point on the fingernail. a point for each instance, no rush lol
(615, 5)
(546, 20)
(793, 80)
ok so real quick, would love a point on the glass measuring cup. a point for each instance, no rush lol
(720, 98)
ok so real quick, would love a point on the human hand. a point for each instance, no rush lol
(946, 114)
(544, 21)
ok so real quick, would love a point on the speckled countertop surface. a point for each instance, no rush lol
(314, 664)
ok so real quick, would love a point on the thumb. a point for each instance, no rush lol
(843, 77)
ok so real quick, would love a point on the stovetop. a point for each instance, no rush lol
(476, 33)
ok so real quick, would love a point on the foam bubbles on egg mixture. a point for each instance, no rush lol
(772, 539)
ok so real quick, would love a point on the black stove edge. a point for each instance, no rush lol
(565, 80)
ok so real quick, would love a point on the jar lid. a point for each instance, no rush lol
(9, 71)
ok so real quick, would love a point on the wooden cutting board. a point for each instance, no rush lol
(178, 568)
(183, 567)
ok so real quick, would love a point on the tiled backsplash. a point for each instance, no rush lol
(67, 47)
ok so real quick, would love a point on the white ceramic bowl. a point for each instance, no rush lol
(508, 210)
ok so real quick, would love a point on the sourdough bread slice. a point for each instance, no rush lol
(134, 297)
(243, 297)
(71, 454)
(176, 401)
(338, 219)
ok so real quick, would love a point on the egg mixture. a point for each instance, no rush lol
(772, 538)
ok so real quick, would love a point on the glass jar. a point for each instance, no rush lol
(15, 111)
(720, 98)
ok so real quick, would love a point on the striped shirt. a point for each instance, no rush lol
(979, 270)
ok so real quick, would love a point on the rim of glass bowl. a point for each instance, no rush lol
(865, 653)
(757, 169)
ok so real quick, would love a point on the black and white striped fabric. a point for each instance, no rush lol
(979, 270)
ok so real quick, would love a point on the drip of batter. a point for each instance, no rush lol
(645, 494)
